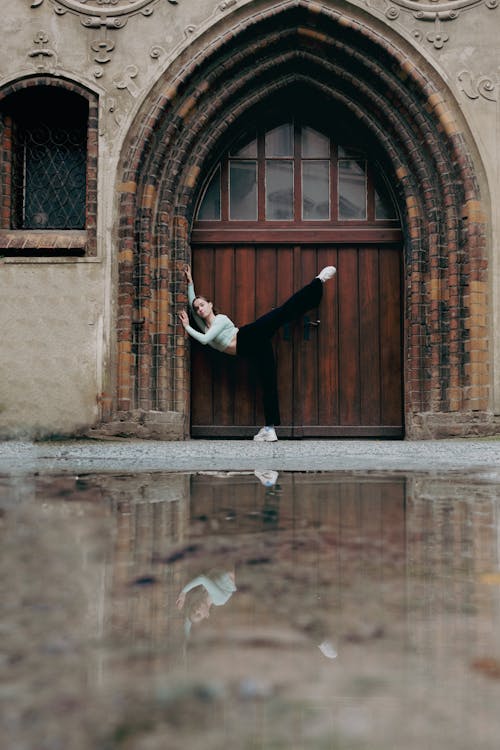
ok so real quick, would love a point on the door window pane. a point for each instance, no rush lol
(243, 190)
(315, 190)
(245, 150)
(210, 205)
(279, 141)
(279, 190)
(352, 189)
(314, 145)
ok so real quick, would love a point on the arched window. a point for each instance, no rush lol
(295, 173)
(48, 177)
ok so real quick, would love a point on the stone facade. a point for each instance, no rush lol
(85, 334)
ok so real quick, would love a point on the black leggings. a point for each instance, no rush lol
(254, 342)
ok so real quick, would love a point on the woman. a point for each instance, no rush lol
(253, 340)
(198, 596)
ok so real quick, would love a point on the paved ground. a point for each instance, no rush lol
(79, 456)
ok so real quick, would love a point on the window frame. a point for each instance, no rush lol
(42, 243)
(328, 229)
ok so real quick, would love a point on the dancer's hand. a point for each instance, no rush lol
(187, 273)
(180, 600)
(184, 318)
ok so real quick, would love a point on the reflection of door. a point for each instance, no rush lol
(340, 376)
(281, 204)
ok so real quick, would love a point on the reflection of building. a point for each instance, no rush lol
(401, 576)
(114, 119)
(150, 517)
(452, 554)
(312, 534)
(421, 544)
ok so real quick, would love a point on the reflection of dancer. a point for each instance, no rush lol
(253, 341)
(216, 587)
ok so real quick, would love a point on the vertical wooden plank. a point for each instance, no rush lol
(223, 391)
(349, 376)
(369, 332)
(390, 337)
(265, 280)
(201, 365)
(243, 313)
(308, 345)
(298, 412)
(284, 341)
(328, 344)
(265, 300)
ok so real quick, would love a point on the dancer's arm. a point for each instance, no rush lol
(217, 326)
(191, 297)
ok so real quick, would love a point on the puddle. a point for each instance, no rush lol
(250, 610)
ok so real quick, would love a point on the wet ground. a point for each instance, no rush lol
(252, 610)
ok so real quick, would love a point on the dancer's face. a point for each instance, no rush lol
(202, 307)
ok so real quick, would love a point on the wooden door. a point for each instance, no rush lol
(339, 368)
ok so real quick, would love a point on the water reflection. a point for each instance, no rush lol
(250, 609)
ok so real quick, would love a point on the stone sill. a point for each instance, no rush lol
(34, 245)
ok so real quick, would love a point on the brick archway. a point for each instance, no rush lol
(184, 125)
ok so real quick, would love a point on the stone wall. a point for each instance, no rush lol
(59, 318)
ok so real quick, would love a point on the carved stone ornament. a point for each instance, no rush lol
(110, 13)
(478, 86)
(42, 54)
(103, 15)
(436, 12)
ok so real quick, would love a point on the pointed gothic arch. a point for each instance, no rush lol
(185, 124)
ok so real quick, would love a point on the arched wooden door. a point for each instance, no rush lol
(279, 207)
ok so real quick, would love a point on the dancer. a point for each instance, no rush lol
(253, 341)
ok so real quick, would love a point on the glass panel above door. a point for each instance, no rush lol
(243, 150)
(243, 190)
(384, 203)
(295, 173)
(279, 190)
(314, 145)
(279, 141)
(210, 204)
(352, 189)
(316, 190)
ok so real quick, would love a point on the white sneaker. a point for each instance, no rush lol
(327, 273)
(266, 435)
(268, 478)
(328, 649)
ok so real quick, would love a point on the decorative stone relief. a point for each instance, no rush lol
(435, 12)
(105, 16)
(43, 57)
(126, 81)
(111, 13)
(103, 48)
(157, 51)
(475, 87)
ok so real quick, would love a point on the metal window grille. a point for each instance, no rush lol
(49, 161)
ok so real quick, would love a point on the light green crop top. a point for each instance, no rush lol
(219, 335)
